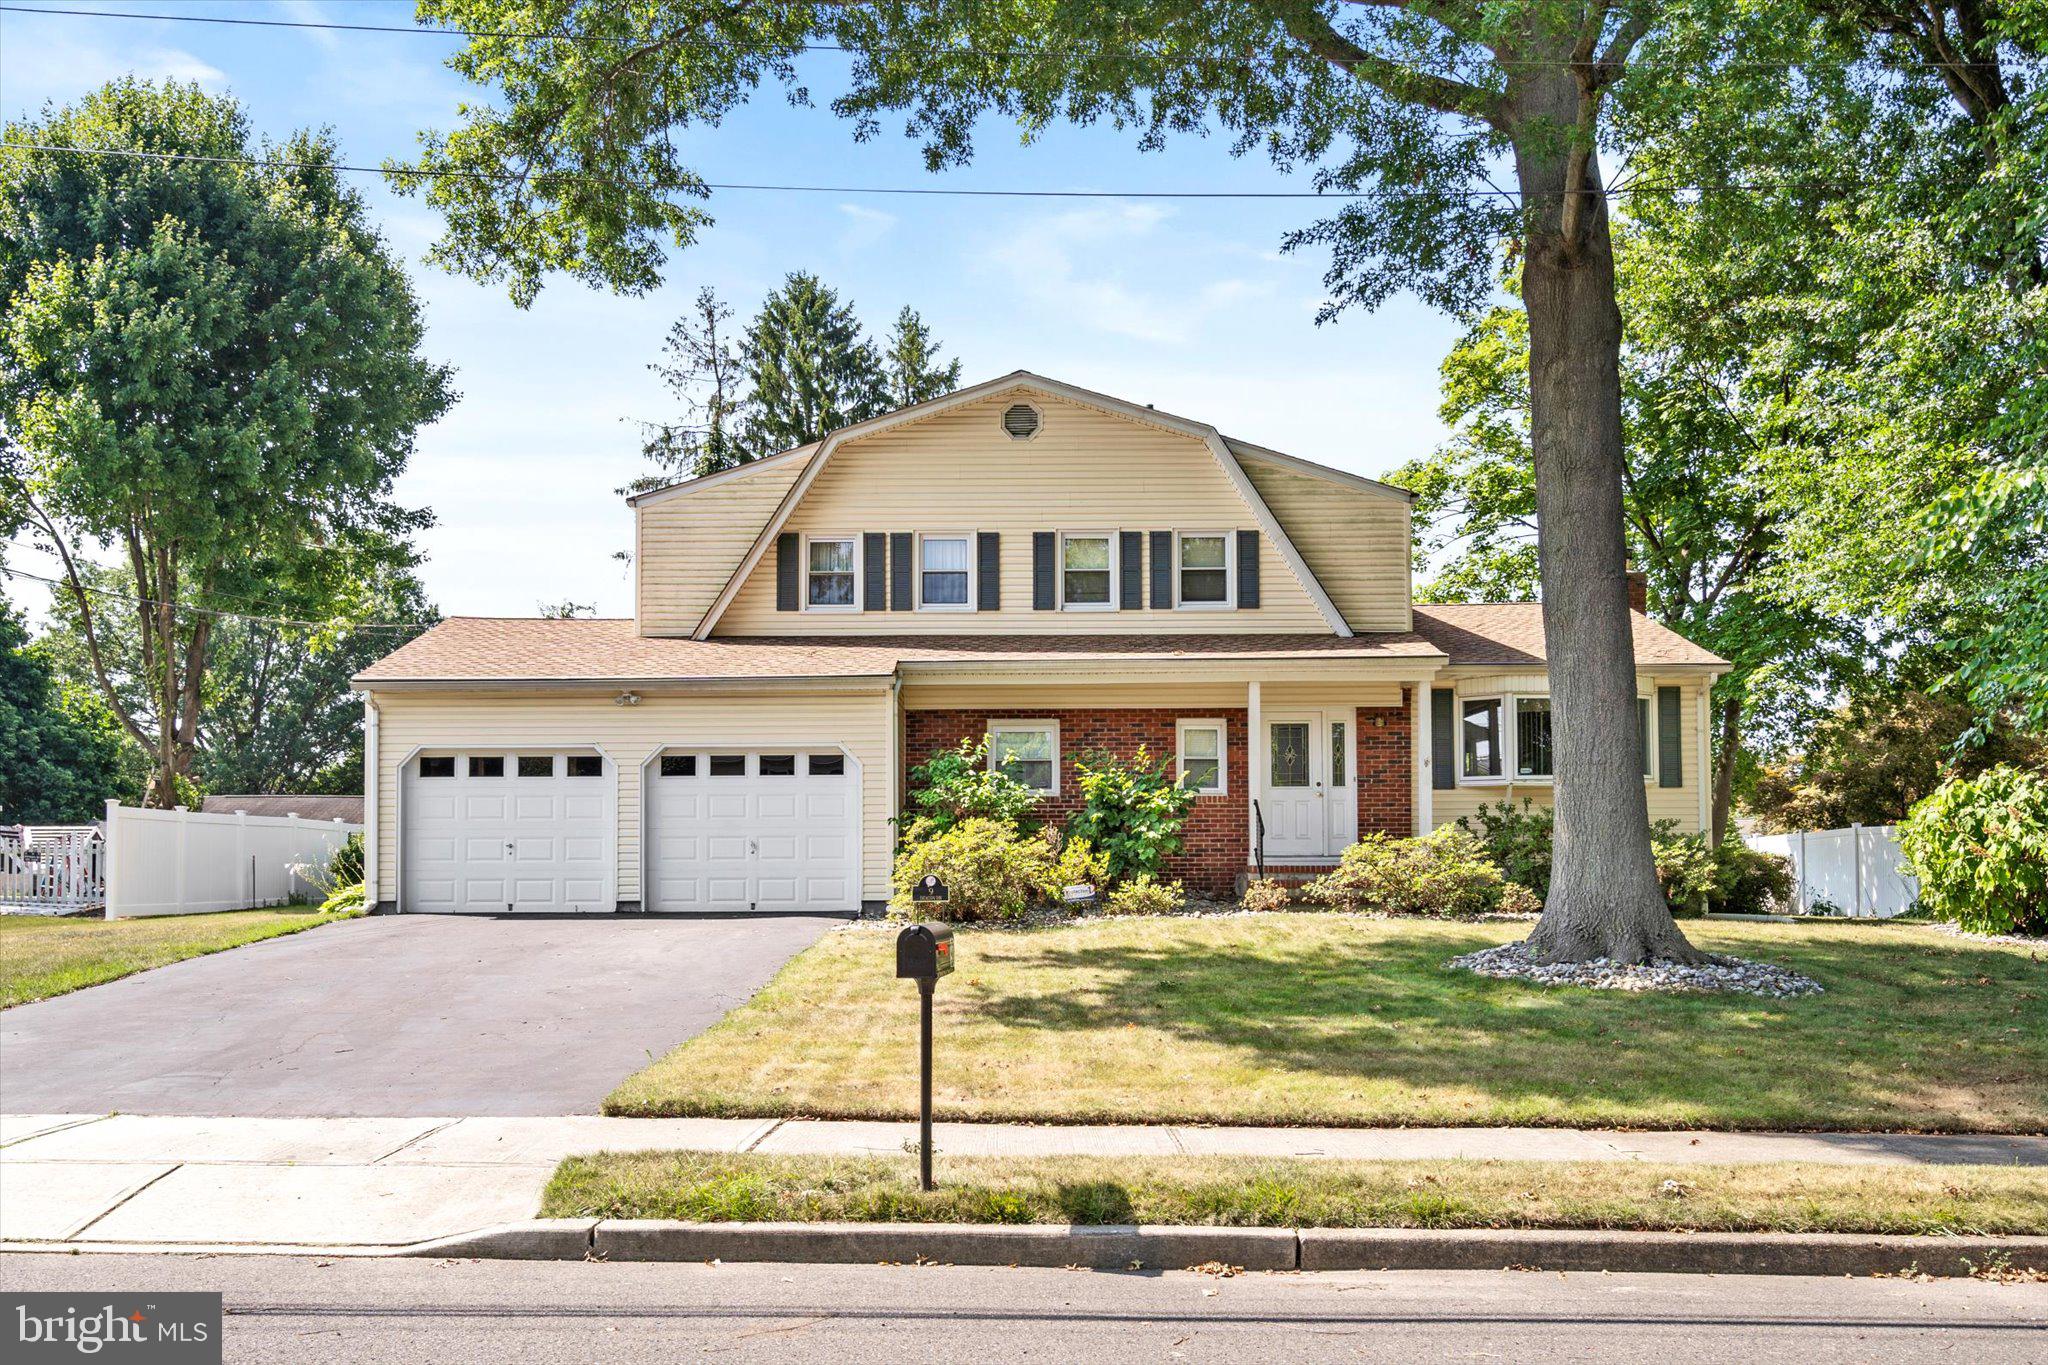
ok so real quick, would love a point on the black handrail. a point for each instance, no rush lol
(1259, 838)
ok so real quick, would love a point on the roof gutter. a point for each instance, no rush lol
(722, 684)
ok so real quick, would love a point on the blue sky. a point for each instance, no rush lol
(1186, 305)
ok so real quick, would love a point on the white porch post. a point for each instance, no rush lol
(1254, 770)
(1425, 813)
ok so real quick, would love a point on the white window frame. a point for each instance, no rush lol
(1510, 739)
(1229, 601)
(1051, 727)
(1180, 748)
(973, 571)
(859, 575)
(1115, 570)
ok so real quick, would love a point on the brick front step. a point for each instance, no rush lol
(1287, 874)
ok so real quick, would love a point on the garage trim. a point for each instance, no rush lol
(751, 746)
(611, 876)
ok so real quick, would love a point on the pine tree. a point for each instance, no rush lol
(810, 367)
(912, 362)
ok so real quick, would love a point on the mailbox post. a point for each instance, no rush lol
(924, 953)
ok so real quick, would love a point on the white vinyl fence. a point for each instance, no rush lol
(183, 862)
(1854, 871)
(51, 869)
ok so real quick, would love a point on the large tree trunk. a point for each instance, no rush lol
(1605, 901)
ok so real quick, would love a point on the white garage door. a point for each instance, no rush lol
(497, 831)
(754, 830)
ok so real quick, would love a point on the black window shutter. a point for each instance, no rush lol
(788, 572)
(1247, 568)
(1162, 571)
(874, 549)
(1043, 544)
(988, 588)
(1443, 738)
(899, 571)
(1670, 740)
(1131, 549)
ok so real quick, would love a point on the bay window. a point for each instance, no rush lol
(1479, 737)
(1532, 737)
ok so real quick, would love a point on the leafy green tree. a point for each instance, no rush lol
(1413, 106)
(210, 368)
(911, 366)
(60, 752)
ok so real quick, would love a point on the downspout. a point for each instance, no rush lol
(371, 815)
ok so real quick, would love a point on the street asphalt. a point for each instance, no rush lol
(397, 1015)
(459, 1312)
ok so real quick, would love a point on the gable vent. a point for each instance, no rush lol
(1021, 421)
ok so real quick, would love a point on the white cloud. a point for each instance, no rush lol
(57, 67)
(307, 12)
(1055, 264)
(865, 226)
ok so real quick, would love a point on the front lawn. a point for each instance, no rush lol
(41, 957)
(1341, 1019)
(1238, 1192)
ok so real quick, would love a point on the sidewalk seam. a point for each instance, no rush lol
(80, 1230)
(774, 1125)
(60, 1128)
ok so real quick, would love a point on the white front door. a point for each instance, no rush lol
(734, 831)
(497, 831)
(1294, 795)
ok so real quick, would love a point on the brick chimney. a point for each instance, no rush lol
(1638, 588)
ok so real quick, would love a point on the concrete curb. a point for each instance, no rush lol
(1174, 1248)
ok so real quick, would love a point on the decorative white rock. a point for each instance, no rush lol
(1511, 961)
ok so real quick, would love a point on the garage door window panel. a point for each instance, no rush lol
(442, 765)
(486, 765)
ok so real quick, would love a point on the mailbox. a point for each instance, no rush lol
(924, 951)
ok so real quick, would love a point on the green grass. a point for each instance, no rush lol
(42, 957)
(1239, 1192)
(1341, 1019)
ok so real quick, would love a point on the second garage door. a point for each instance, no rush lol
(737, 831)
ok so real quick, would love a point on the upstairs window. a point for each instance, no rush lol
(829, 576)
(1204, 569)
(1479, 737)
(1087, 572)
(942, 572)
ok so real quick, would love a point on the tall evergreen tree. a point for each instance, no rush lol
(915, 372)
(702, 367)
(809, 366)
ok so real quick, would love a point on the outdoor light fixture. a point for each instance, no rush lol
(627, 699)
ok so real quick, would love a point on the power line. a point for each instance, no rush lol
(1144, 55)
(538, 178)
(211, 611)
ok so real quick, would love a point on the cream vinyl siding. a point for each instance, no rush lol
(1086, 470)
(1680, 804)
(1355, 542)
(690, 543)
(628, 735)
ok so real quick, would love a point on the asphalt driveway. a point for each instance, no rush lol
(395, 1015)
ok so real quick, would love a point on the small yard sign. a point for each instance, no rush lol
(1078, 893)
(929, 888)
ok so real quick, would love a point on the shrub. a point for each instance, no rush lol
(1145, 895)
(1980, 848)
(1750, 882)
(1132, 812)
(339, 880)
(1074, 862)
(991, 872)
(1517, 899)
(1266, 894)
(957, 784)
(1686, 868)
(1517, 838)
(344, 900)
(1445, 872)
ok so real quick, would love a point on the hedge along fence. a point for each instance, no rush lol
(182, 862)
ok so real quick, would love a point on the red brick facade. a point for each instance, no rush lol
(1217, 836)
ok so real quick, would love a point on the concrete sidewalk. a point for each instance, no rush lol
(105, 1180)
